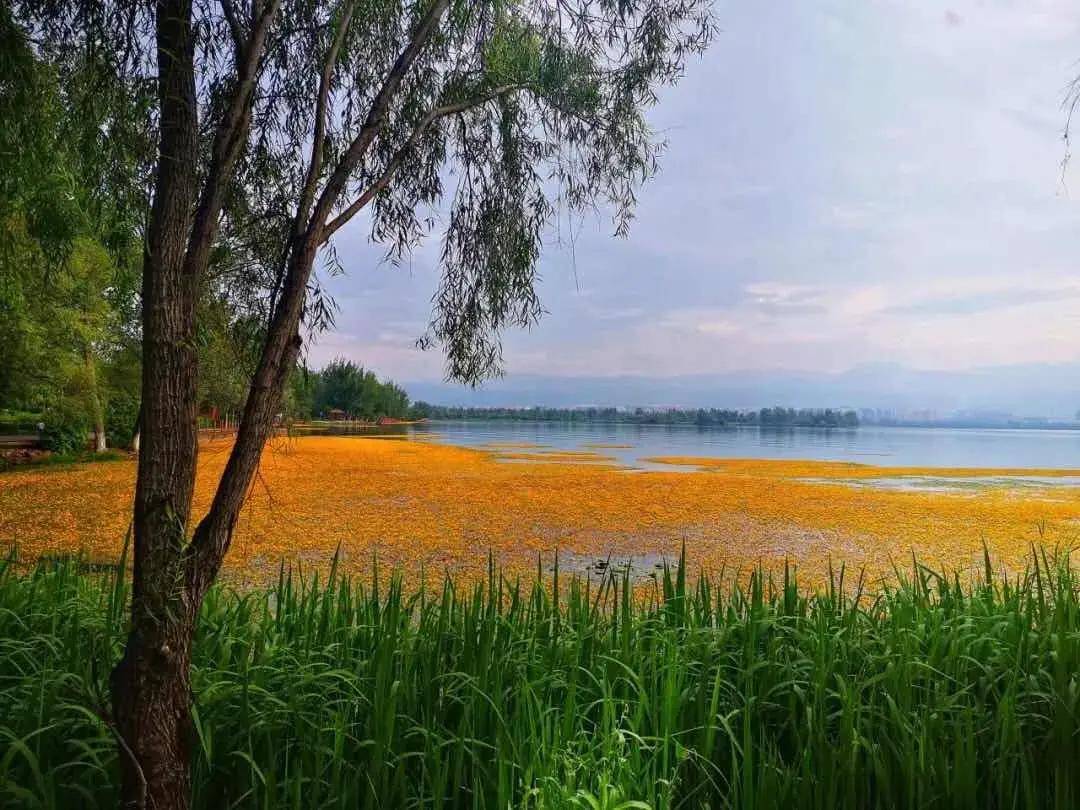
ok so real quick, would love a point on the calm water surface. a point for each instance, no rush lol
(899, 446)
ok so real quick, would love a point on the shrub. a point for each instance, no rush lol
(67, 428)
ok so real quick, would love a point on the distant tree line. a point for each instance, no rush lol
(805, 417)
(765, 417)
(348, 387)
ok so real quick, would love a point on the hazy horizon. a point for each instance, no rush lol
(844, 184)
(1023, 390)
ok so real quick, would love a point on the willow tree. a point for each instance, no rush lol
(279, 122)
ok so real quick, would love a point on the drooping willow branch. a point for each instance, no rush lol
(402, 154)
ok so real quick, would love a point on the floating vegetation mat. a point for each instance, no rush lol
(512, 446)
(559, 458)
(432, 508)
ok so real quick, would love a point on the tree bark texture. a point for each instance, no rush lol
(150, 686)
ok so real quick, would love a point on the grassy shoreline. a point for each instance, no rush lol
(359, 693)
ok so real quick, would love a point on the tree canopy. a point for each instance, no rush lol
(73, 166)
(343, 385)
(481, 121)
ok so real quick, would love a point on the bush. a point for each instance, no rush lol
(67, 428)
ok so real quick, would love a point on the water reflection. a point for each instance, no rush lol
(630, 444)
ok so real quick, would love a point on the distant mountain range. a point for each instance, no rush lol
(1034, 390)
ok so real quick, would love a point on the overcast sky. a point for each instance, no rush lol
(846, 182)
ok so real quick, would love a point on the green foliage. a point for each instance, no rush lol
(22, 327)
(72, 160)
(55, 324)
(345, 386)
(228, 351)
(67, 426)
(19, 421)
(534, 108)
(121, 417)
(334, 693)
(35, 180)
(299, 400)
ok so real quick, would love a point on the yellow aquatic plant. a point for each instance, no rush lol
(434, 507)
(853, 470)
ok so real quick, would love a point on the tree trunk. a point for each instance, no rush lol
(95, 401)
(150, 686)
(151, 691)
(137, 432)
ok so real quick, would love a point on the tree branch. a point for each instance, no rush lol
(212, 538)
(398, 159)
(375, 117)
(307, 195)
(229, 10)
(228, 141)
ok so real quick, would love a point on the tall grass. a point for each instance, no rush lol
(934, 693)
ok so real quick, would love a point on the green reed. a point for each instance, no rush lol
(937, 691)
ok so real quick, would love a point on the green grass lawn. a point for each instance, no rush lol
(935, 693)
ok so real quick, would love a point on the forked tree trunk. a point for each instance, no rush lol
(150, 686)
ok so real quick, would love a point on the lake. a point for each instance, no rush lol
(890, 446)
